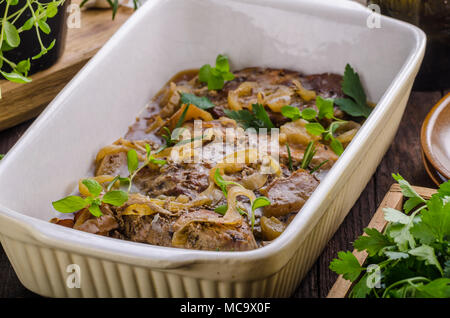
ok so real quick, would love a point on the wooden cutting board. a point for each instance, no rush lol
(21, 102)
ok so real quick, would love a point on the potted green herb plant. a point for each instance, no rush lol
(32, 36)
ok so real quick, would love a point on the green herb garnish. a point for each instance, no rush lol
(1, 156)
(328, 134)
(75, 203)
(318, 166)
(291, 167)
(308, 155)
(326, 110)
(222, 183)
(259, 202)
(171, 137)
(200, 102)
(356, 105)
(412, 254)
(133, 164)
(215, 77)
(257, 118)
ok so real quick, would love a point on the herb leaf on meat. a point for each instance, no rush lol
(215, 77)
(200, 102)
(75, 203)
(257, 118)
(356, 105)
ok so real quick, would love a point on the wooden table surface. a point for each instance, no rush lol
(404, 156)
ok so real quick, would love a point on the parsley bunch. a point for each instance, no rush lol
(412, 254)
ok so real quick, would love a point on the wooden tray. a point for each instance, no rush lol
(21, 102)
(393, 199)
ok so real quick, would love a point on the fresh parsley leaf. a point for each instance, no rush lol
(396, 255)
(261, 114)
(426, 253)
(361, 288)
(350, 107)
(393, 215)
(447, 269)
(434, 222)
(200, 102)
(352, 87)
(408, 191)
(346, 265)
(258, 118)
(438, 288)
(116, 198)
(444, 190)
(325, 107)
(215, 77)
(401, 235)
(70, 204)
(1, 156)
(373, 243)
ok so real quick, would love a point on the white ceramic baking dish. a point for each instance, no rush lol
(96, 107)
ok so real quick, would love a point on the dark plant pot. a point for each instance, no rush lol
(29, 44)
(433, 17)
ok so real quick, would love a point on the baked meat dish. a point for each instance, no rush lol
(219, 160)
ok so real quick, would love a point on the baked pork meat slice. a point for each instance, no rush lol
(174, 179)
(203, 230)
(289, 194)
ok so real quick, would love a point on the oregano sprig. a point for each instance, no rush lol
(93, 201)
(133, 164)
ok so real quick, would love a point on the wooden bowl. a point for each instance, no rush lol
(435, 137)
(434, 175)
